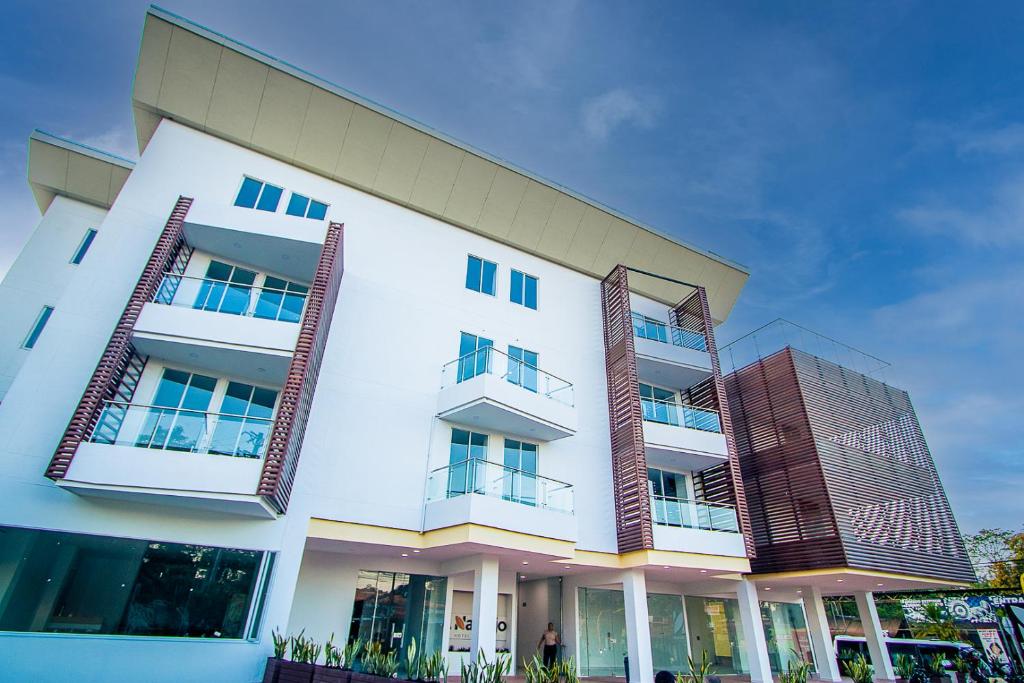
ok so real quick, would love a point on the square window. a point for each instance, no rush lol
(523, 289)
(317, 210)
(481, 275)
(297, 205)
(269, 198)
(248, 193)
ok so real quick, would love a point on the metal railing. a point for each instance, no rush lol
(498, 481)
(655, 330)
(491, 361)
(678, 415)
(181, 429)
(694, 514)
(234, 298)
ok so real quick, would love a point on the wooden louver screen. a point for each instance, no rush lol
(633, 523)
(282, 461)
(117, 356)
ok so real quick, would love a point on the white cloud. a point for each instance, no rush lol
(119, 140)
(998, 222)
(605, 113)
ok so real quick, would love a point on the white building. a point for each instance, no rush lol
(310, 365)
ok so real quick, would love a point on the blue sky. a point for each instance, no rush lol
(865, 160)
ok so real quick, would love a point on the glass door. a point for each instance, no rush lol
(671, 497)
(520, 480)
(177, 419)
(522, 368)
(602, 632)
(658, 405)
(474, 356)
(226, 289)
(467, 450)
(243, 427)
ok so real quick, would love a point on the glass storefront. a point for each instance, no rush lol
(392, 608)
(785, 629)
(58, 582)
(603, 632)
(715, 627)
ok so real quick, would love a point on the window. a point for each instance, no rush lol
(659, 405)
(649, 328)
(304, 207)
(474, 356)
(467, 449)
(523, 290)
(522, 368)
(396, 610)
(481, 275)
(77, 583)
(37, 327)
(90, 235)
(671, 493)
(281, 300)
(226, 289)
(256, 194)
(520, 481)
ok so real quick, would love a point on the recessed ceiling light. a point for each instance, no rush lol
(665, 567)
(799, 591)
(879, 584)
(840, 580)
(703, 571)
(417, 551)
(767, 588)
(405, 554)
(525, 562)
(567, 567)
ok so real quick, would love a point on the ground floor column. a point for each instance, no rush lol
(485, 608)
(877, 648)
(638, 627)
(821, 636)
(753, 632)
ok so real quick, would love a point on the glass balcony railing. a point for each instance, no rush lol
(678, 415)
(498, 481)
(205, 294)
(694, 514)
(180, 429)
(655, 330)
(491, 361)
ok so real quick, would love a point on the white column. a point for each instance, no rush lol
(877, 648)
(485, 608)
(753, 632)
(638, 627)
(821, 636)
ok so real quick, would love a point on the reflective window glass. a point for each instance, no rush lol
(37, 327)
(269, 198)
(297, 205)
(248, 193)
(90, 235)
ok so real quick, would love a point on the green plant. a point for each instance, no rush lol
(413, 662)
(378, 663)
(698, 672)
(482, 671)
(435, 667)
(962, 667)
(570, 674)
(332, 655)
(797, 670)
(859, 670)
(935, 665)
(350, 654)
(937, 625)
(280, 644)
(905, 666)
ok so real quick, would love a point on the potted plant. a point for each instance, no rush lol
(904, 666)
(271, 673)
(797, 670)
(300, 667)
(698, 672)
(859, 670)
(936, 667)
(435, 667)
(331, 671)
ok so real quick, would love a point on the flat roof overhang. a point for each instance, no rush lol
(57, 166)
(210, 82)
(847, 580)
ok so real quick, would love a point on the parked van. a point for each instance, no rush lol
(848, 647)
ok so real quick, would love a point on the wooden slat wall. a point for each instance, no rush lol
(633, 523)
(118, 354)
(723, 483)
(285, 446)
(887, 498)
(838, 472)
(791, 516)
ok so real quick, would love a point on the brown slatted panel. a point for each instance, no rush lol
(629, 461)
(887, 498)
(117, 356)
(724, 483)
(791, 515)
(282, 461)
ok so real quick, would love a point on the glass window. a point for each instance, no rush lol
(177, 420)
(76, 583)
(37, 327)
(649, 328)
(668, 632)
(785, 629)
(304, 207)
(90, 235)
(269, 198)
(481, 275)
(281, 300)
(393, 609)
(714, 625)
(520, 480)
(474, 356)
(523, 289)
(226, 289)
(658, 405)
(248, 193)
(463, 474)
(243, 426)
(317, 210)
(522, 368)
(671, 504)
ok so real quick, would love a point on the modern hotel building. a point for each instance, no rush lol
(310, 365)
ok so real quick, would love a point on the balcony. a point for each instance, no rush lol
(696, 526)
(480, 492)
(682, 436)
(491, 391)
(669, 355)
(229, 327)
(173, 455)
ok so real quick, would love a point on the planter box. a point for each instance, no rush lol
(359, 677)
(329, 674)
(290, 672)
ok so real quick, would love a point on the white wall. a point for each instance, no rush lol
(40, 275)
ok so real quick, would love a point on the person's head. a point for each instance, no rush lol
(551, 626)
(664, 677)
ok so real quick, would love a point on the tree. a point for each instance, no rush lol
(997, 556)
(937, 624)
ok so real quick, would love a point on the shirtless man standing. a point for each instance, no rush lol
(550, 642)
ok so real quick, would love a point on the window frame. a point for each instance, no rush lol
(523, 289)
(482, 261)
(83, 247)
(38, 325)
(309, 205)
(259, 195)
